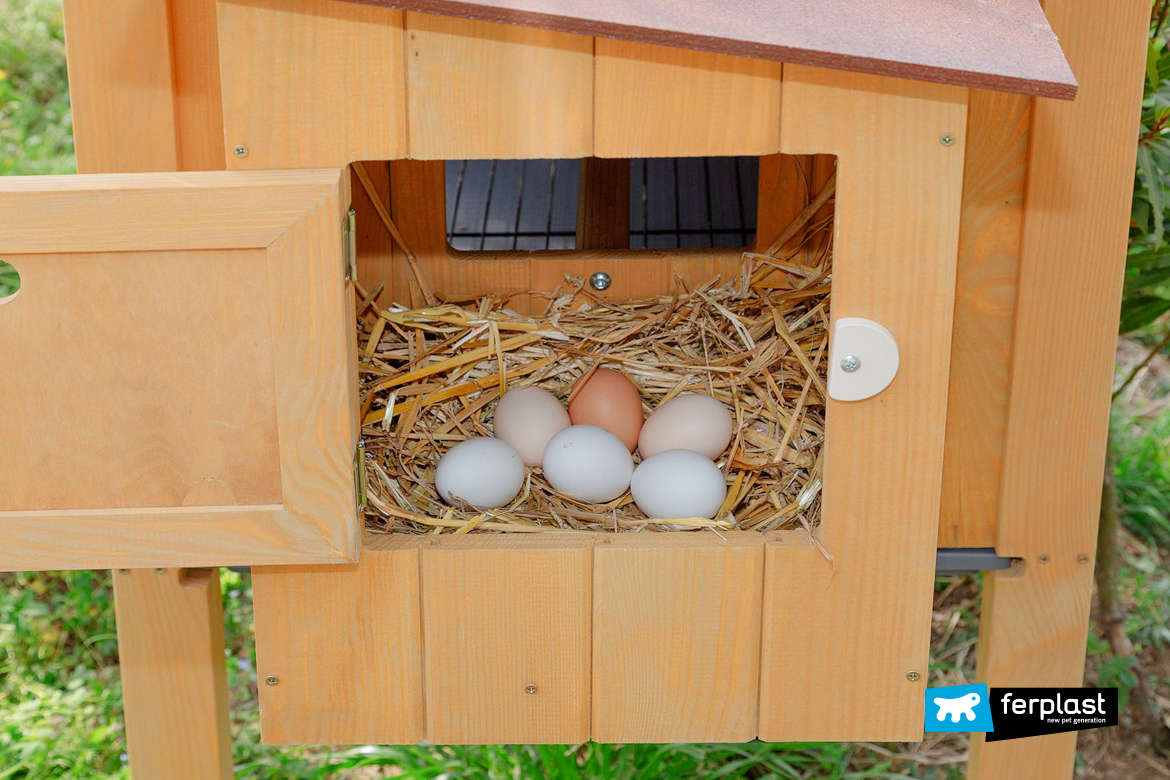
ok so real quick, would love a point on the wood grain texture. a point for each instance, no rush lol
(480, 90)
(174, 675)
(603, 204)
(345, 643)
(676, 637)
(499, 614)
(177, 463)
(1004, 45)
(198, 100)
(311, 83)
(376, 261)
(121, 95)
(897, 226)
(1080, 176)
(659, 101)
(985, 313)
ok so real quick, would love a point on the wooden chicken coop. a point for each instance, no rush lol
(181, 364)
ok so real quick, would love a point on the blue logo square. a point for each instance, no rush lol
(958, 708)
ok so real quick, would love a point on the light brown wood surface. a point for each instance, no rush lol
(660, 101)
(603, 204)
(482, 90)
(985, 312)
(1079, 186)
(500, 614)
(345, 646)
(676, 637)
(897, 213)
(198, 99)
(378, 259)
(116, 84)
(174, 674)
(311, 83)
(200, 406)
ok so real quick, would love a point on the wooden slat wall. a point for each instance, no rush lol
(484, 90)
(985, 311)
(501, 614)
(345, 646)
(1077, 201)
(860, 623)
(198, 106)
(676, 637)
(311, 83)
(660, 101)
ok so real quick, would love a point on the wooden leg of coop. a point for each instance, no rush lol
(1072, 256)
(174, 677)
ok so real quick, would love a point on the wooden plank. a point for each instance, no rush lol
(174, 676)
(659, 101)
(985, 312)
(121, 95)
(350, 675)
(321, 86)
(376, 261)
(480, 90)
(897, 210)
(265, 405)
(603, 204)
(501, 614)
(1079, 186)
(1003, 45)
(198, 108)
(676, 637)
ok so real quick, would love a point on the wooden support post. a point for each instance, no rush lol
(1080, 177)
(174, 677)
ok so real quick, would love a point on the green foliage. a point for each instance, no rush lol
(36, 131)
(1142, 447)
(1147, 278)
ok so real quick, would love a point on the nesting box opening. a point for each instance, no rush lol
(741, 314)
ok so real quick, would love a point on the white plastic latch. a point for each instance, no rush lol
(863, 359)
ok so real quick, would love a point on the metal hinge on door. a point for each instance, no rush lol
(349, 244)
(359, 475)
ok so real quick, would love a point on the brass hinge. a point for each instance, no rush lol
(349, 244)
(359, 475)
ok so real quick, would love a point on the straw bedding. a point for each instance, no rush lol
(431, 377)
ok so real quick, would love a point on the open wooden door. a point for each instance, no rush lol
(177, 371)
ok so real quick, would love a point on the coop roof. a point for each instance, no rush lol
(1004, 45)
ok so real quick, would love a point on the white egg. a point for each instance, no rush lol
(527, 418)
(485, 473)
(588, 463)
(678, 483)
(689, 422)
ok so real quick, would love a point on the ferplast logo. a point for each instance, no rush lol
(1013, 713)
(958, 708)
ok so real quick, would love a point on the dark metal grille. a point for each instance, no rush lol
(530, 205)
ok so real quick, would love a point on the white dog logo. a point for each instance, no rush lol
(964, 705)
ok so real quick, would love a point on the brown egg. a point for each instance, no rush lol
(611, 401)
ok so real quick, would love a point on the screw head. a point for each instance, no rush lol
(530, 688)
(948, 139)
(271, 679)
(1044, 558)
(913, 676)
(240, 151)
(123, 571)
(600, 281)
(160, 571)
(1082, 558)
(850, 363)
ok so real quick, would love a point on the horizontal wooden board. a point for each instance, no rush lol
(1005, 45)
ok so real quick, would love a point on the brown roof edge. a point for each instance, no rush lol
(1001, 45)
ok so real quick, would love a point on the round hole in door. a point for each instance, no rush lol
(9, 282)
